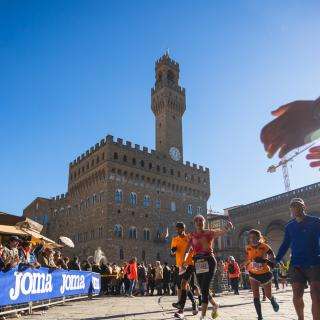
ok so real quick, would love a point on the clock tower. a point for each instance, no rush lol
(168, 103)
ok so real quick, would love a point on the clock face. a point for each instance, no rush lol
(174, 154)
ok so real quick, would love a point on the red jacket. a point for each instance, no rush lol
(132, 271)
(233, 270)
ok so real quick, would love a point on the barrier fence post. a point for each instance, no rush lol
(30, 307)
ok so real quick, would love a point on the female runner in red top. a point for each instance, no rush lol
(201, 241)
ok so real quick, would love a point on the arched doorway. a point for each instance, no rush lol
(274, 235)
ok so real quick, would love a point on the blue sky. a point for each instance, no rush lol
(74, 71)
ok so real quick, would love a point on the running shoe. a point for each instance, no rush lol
(214, 313)
(194, 308)
(177, 305)
(179, 314)
(274, 304)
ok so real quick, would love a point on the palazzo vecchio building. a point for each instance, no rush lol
(126, 198)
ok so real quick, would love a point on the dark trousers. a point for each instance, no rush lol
(235, 285)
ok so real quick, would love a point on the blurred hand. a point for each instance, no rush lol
(314, 154)
(293, 124)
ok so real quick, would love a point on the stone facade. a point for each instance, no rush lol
(126, 198)
(268, 215)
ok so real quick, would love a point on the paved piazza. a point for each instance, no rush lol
(152, 308)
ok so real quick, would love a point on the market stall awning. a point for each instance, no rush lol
(4, 229)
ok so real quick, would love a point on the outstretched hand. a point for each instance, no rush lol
(292, 127)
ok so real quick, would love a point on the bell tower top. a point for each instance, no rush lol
(168, 105)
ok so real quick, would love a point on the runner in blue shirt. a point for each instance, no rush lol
(302, 235)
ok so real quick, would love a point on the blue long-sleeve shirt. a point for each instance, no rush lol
(304, 240)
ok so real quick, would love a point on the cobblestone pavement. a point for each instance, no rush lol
(152, 308)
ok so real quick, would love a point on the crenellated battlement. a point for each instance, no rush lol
(109, 139)
(165, 59)
(62, 196)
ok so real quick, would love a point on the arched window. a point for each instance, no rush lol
(146, 234)
(199, 210)
(132, 233)
(118, 196)
(118, 231)
(158, 204)
(173, 206)
(160, 233)
(142, 163)
(124, 158)
(121, 254)
(189, 209)
(94, 199)
(115, 156)
(146, 201)
(133, 199)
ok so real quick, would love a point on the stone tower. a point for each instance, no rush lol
(168, 103)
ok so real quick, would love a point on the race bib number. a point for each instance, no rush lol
(256, 266)
(202, 266)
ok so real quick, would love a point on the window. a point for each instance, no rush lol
(189, 209)
(100, 196)
(173, 206)
(199, 210)
(150, 166)
(100, 232)
(115, 156)
(118, 196)
(92, 234)
(171, 172)
(158, 204)
(97, 159)
(146, 234)
(132, 233)
(158, 168)
(164, 170)
(134, 161)
(142, 163)
(118, 232)
(124, 158)
(121, 254)
(94, 199)
(146, 201)
(158, 256)
(133, 199)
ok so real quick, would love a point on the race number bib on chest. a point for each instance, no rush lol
(202, 266)
(257, 266)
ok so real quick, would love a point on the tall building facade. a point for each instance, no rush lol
(126, 198)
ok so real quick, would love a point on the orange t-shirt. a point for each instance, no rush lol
(259, 251)
(181, 243)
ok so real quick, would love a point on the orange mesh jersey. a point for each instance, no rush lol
(181, 243)
(259, 251)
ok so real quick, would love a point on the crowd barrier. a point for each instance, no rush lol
(31, 287)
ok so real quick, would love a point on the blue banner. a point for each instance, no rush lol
(42, 284)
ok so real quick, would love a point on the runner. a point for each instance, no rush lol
(205, 263)
(302, 234)
(259, 269)
(178, 248)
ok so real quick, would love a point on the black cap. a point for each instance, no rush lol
(14, 238)
(180, 225)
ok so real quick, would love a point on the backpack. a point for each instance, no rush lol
(231, 268)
